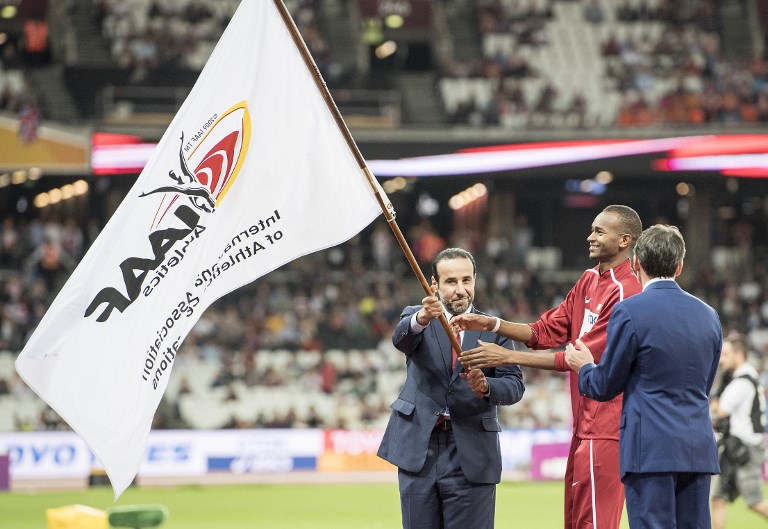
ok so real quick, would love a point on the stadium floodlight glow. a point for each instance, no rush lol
(55, 195)
(684, 189)
(35, 173)
(18, 177)
(456, 202)
(604, 177)
(81, 187)
(67, 191)
(42, 200)
(394, 21)
(8, 12)
(466, 197)
(394, 185)
(386, 49)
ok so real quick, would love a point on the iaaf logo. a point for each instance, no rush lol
(217, 152)
(217, 158)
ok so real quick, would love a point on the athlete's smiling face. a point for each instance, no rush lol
(606, 238)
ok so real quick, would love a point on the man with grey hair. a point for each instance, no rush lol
(663, 351)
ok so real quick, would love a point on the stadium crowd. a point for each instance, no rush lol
(310, 343)
(661, 61)
(18, 96)
(150, 34)
(703, 87)
(319, 328)
(664, 60)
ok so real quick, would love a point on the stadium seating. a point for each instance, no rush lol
(332, 355)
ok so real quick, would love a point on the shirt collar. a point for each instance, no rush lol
(618, 269)
(745, 369)
(448, 315)
(656, 280)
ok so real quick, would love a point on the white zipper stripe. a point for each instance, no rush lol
(618, 284)
(592, 484)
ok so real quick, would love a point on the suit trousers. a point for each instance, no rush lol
(668, 500)
(440, 496)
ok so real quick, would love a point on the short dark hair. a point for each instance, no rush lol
(738, 342)
(660, 249)
(452, 253)
(629, 220)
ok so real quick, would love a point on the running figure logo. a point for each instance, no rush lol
(187, 184)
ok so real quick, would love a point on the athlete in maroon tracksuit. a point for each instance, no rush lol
(594, 495)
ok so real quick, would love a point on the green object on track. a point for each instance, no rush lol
(137, 516)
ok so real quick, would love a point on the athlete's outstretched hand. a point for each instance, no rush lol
(487, 354)
(472, 322)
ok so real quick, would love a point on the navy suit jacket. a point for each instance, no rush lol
(431, 385)
(662, 352)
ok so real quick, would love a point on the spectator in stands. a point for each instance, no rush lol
(30, 116)
(577, 109)
(314, 419)
(50, 264)
(10, 244)
(593, 12)
(517, 67)
(610, 46)
(544, 106)
(183, 34)
(625, 12)
(382, 246)
(328, 376)
(427, 243)
(516, 98)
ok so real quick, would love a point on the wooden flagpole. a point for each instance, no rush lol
(386, 207)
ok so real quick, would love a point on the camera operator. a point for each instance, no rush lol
(739, 416)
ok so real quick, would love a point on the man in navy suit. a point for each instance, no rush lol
(443, 434)
(663, 351)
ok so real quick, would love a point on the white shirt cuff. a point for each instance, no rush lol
(416, 327)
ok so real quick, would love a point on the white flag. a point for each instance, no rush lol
(252, 173)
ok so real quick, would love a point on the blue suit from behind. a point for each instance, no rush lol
(663, 351)
(431, 386)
